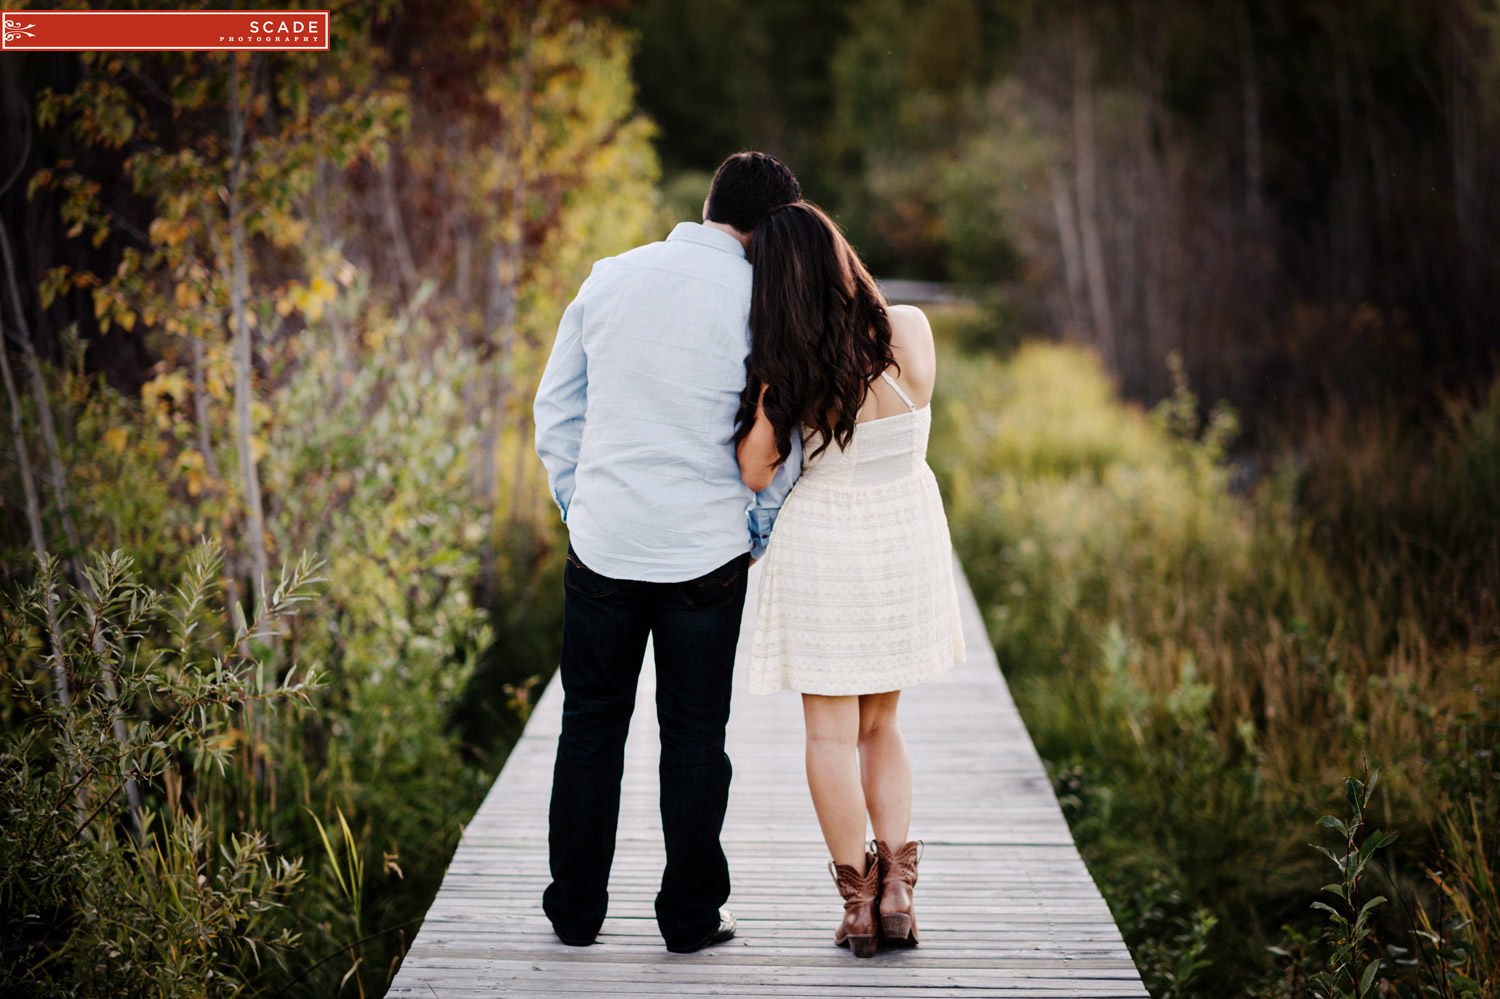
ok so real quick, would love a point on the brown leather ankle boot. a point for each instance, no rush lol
(860, 929)
(898, 876)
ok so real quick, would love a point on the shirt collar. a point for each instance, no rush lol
(693, 232)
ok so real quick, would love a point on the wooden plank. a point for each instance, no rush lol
(1006, 905)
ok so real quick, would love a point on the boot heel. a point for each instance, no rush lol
(860, 930)
(898, 876)
(896, 925)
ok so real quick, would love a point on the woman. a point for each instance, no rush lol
(857, 596)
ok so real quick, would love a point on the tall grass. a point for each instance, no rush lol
(1203, 661)
(365, 793)
(100, 898)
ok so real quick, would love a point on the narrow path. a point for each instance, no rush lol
(1005, 903)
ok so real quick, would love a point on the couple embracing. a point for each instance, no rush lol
(743, 374)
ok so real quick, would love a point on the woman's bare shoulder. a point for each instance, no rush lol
(911, 337)
(909, 324)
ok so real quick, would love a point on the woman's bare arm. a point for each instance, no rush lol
(911, 343)
(757, 451)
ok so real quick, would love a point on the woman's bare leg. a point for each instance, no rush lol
(885, 767)
(833, 744)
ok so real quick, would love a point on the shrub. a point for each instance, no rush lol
(101, 896)
(1199, 656)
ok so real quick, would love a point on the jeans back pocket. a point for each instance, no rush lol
(719, 587)
(581, 579)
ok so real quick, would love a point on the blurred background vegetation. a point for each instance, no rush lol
(1219, 434)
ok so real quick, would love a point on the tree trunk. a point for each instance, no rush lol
(244, 369)
(1255, 194)
(232, 566)
(406, 270)
(1086, 170)
(505, 279)
(60, 497)
(34, 521)
(23, 453)
(211, 465)
(1067, 238)
(60, 684)
(243, 377)
(1162, 232)
(461, 232)
(1464, 140)
(1352, 251)
(342, 347)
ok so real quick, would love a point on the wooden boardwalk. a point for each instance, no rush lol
(1004, 902)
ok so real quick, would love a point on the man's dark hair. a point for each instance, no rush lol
(747, 187)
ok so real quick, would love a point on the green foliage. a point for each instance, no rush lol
(372, 467)
(1138, 174)
(1428, 501)
(1457, 944)
(389, 423)
(168, 902)
(725, 75)
(1201, 449)
(1193, 661)
(1351, 967)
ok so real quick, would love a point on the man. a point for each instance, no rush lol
(634, 417)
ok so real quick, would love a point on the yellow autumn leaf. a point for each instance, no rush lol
(258, 448)
(214, 378)
(191, 466)
(172, 383)
(186, 295)
(115, 437)
(288, 231)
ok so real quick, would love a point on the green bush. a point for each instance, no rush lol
(421, 695)
(1199, 666)
(99, 897)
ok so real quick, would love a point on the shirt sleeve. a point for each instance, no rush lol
(561, 402)
(767, 504)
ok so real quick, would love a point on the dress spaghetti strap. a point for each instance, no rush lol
(904, 397)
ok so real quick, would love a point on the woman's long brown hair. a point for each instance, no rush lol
(819, 332)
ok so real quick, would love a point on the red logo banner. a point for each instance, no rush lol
(156, 30)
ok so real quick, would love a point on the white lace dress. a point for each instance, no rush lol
(856, 589)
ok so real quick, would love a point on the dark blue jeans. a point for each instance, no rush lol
(695, 626)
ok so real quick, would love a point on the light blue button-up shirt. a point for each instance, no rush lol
(635, 412)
